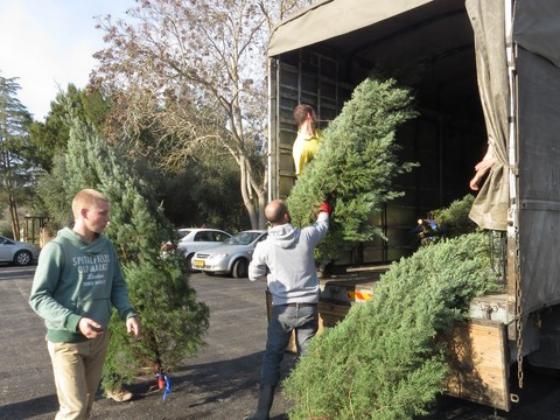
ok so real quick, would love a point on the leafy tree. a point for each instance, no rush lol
(196, 69)
(384, 360)
(355, 165)
(48, 139)
(15, 173)
(206, 193)
(173, 321)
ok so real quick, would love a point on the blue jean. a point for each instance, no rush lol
(303, 319)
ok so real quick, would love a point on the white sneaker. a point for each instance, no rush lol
(119, 395)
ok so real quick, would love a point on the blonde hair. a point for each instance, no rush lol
(86, 199)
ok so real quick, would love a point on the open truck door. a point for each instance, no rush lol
(486, 74)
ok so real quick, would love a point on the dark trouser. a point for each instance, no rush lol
(301, 317)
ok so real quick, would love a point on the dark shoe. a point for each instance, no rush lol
(266, 396)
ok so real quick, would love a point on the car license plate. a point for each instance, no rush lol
(198, 263)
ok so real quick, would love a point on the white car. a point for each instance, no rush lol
(19, 253)
(231, 257)
(197, 239)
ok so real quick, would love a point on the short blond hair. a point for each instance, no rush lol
(86, 199)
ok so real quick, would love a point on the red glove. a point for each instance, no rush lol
(326, 207)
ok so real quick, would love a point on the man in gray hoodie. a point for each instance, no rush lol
(285, 258)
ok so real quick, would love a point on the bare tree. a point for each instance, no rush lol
(196, 72)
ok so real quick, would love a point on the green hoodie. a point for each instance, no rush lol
(75, 279)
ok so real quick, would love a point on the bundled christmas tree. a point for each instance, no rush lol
(383, 361)
(355, 165)
(173, 322)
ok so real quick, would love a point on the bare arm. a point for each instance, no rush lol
(481, 169)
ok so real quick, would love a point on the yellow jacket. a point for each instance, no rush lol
(305, 148)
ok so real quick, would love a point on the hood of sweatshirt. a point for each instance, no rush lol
(98, 245)
(284, 236)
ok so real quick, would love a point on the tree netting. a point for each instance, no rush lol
(384, 360)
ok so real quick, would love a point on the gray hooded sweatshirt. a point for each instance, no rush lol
(286, 259)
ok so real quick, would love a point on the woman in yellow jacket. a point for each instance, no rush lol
(308, 138)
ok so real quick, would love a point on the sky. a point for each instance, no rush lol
(49, 43)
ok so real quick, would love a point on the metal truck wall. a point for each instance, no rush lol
(537, 32)
(300, 77)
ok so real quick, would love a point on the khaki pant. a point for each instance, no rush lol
(77, 371)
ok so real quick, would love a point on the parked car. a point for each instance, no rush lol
(16, 252)
(196, 239)
(232, 257)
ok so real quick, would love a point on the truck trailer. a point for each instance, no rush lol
(485, 76)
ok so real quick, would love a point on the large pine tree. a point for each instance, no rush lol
(173, 322)
(355, 166)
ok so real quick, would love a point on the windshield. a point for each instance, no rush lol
(242, 238)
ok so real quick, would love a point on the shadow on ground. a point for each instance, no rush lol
(29, 408)
(214, 381)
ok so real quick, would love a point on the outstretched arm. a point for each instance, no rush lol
(258, 267)
(321, 226)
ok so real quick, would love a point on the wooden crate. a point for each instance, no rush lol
(478, 360)
(331, 313)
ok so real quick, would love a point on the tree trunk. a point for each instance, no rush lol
(14, 216)
(262, 204)
(247, 193)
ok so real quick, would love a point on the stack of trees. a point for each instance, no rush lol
(384, 360)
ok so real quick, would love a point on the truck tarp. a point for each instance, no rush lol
(330, 18)
(487, 18)
(537, 32)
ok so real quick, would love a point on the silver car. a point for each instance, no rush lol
(19, 253)
(232, 257)
(197, 239)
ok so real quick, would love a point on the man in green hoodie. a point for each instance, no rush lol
(77, 281)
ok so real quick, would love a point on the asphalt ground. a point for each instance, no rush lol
(221, 382)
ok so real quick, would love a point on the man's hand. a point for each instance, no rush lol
(325, 207)
(481, 169)
(133, 326)
(89, 328)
